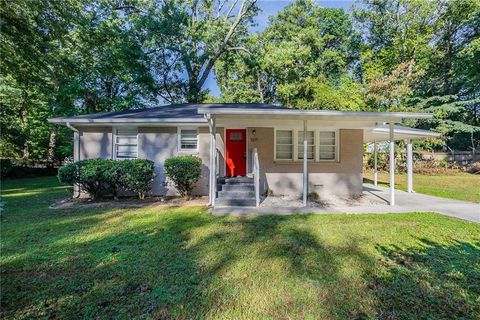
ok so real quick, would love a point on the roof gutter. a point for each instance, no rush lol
(76, 142)
(321, 113)
(127, 120)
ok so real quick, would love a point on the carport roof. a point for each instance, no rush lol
(382, 133)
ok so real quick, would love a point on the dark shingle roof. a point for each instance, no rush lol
(173, 111)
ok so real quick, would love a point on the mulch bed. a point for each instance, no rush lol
(128, 202)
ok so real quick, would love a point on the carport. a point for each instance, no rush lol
(391, 134)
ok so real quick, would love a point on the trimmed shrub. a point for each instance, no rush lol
(94, 176)
(98, 177)
(138, 176)
(184, 171)
(68, 173)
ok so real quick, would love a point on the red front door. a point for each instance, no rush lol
(236, 152)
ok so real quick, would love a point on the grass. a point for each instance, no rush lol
(182, 263)
(460, 186)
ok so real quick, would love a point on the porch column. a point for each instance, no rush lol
(305, 164)
(409, 166)
(214, 161)
(392, 165)
(212, 177)
(375, 156)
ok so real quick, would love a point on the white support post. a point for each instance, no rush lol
(409, 166)
(305, 164)
(375, 159)
(392, 165)
(214, 162)
(212, 173)
(76, 154)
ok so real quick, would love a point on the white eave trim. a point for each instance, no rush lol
(406, 131)
(321, 113)
(128, 120)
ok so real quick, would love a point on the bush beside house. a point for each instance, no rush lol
(184, 171)
(99, 177)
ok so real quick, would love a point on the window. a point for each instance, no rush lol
(236, 136)
(188, 140)
(126, 143)
(284, 145)
(327, 145)
(310, 145)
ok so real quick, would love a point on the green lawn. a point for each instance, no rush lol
(182, 263)
(460, 186)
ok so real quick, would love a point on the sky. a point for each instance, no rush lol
(269, 8)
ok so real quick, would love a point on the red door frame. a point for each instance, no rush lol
(236, 153)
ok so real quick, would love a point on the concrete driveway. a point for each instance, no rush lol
(374, 200)
(410, 202)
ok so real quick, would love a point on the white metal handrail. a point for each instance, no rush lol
(256, 176)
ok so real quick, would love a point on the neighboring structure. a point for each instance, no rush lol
(285, 151)
(458, 157)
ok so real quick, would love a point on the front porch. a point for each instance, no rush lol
(300, 152)
(375, 200)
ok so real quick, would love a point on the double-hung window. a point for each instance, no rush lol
(310, 145)
(126, 143)
(188, 140)
(284, 145)
(327, 145)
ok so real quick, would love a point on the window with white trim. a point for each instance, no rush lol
(327, 145)
(284, 144)
(310, 145)
(126, 143)
(188, 140)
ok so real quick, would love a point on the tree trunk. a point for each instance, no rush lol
(51, 146)
(473, 148)
(24, 120)
(259, 88)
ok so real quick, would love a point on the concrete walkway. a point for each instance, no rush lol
(375, 200)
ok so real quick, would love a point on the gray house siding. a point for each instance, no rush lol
(341, 178)
(156, 144)
(95, 142)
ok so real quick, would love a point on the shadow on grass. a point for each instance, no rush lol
(370, 181)
(183, 263)
(433, 281)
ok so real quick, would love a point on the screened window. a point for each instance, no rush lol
(284, 145)
(126, 143)
(188, 140)
(310, 145)
(327, 145)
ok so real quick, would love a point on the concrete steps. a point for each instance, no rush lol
(235, 191)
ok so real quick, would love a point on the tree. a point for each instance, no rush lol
(63, 58)
(303, 45)
(396, 35)
(450, 88)
(186, 38)
(32, 33)
(420, 55)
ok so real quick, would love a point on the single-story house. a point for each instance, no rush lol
(246, 149)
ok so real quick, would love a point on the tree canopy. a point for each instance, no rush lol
(69, 57)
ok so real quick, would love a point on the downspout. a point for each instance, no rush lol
(76, 142)
(76, 154)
